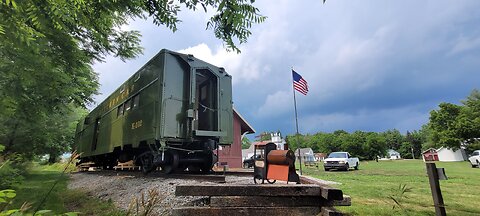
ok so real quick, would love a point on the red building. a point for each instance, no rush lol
(232, 155)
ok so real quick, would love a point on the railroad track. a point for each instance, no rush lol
(212, 177)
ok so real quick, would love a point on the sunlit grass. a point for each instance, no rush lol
(41, 178)
(371, 186)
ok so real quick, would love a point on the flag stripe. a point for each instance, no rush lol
(299, 83)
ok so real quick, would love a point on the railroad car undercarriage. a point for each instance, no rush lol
(196, 157)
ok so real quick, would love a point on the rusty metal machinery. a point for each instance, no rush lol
(281, 157)
(281, 166)
(277, 165)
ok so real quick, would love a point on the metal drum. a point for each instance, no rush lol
(281, 157)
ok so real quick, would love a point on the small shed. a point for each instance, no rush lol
(448, 154)
(430, 155)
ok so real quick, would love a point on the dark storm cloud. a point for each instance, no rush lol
(371, 65)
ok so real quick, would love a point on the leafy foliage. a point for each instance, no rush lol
(451, 125)
(246, 142)
(47, 48)
(7, 195)
(399, 195)
(264, 136)
(365, 145)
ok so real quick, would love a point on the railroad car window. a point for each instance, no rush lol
(120, 110)
(203, 93)
(136, 100)
(128, 105)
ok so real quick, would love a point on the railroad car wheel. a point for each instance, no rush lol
(210, 159)
(258, 179)
(147, 162)
(193, 169)
(271, 181)
(171, 158)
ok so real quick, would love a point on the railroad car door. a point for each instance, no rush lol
(206, 100)
(96, 131)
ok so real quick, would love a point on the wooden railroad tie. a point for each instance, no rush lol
(129, 165)
(301, 199)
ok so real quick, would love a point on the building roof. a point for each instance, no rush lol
(245, 126)
(390, 151)
(429, 150)
(448, 149)
(303, 151)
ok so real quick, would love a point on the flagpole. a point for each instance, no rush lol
(296, 124)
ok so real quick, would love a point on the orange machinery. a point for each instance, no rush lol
(271, 164)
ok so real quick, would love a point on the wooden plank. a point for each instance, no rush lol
(231, 211)
(262, 201)
(246, 201)
(247, 190)
(330, 211)
(236, 173)
(327, 192)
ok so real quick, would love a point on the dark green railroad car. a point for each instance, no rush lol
(171, 113)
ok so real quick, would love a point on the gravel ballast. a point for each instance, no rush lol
(123, 189)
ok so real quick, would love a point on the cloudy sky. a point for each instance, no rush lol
(370, 65)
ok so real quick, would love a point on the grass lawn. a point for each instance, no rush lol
(371, 186)
(39, 181)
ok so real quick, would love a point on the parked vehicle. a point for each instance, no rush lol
(475, 159)
(340, 161)
(249, 162)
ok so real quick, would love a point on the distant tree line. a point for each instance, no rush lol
(365, 145)
(450, 126)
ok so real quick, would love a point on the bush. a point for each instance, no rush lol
(9, 175)
(11, 170)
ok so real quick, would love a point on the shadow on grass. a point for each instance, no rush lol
(36, 186)
(38, 182)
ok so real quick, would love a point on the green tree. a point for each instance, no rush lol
(375, 146)
(451, 125)
(393, 138)
(264, 136)
(413, 143)
(296, 141)
(330, 143)
(354, 143)
(442, 126)
(246, 143)
(47, 48)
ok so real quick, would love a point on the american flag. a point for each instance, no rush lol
(299, 83)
